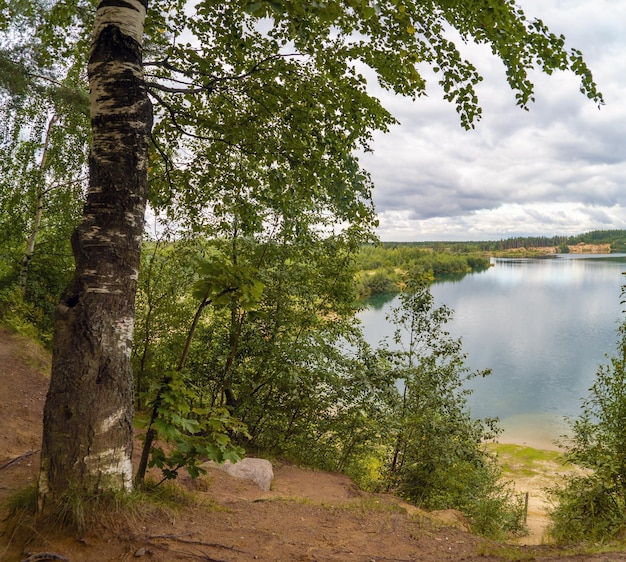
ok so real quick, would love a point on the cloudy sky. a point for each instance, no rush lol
(558, 169)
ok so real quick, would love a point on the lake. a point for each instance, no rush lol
(543, 326)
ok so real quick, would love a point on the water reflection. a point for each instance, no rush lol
(542, 325)
(379, 301)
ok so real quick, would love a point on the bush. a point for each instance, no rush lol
(587, 509)
(378, 283)
(437, 459)
(17, 315)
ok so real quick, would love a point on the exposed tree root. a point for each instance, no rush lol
(151, 539)
(44, 555)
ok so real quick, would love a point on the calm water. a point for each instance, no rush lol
(542, 327)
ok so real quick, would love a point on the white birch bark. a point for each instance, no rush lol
(40, 191)
(88, 431)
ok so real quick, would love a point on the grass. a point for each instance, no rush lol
(518, 461)
(24, 499)
(374, 504)
(75, 514)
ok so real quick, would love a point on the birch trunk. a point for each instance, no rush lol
(39, 195)
(88, 416)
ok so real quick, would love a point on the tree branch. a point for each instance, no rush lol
(173, 90)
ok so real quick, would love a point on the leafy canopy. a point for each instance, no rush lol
(260, 105)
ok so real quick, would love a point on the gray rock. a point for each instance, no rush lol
(258, 471)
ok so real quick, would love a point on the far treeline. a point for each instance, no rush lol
(384, 266)
(615, 238)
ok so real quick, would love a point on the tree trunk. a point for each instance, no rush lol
(88, 416)
(39, 191)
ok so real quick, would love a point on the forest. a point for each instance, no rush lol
(223, 322)
(383, 266)
(615, 238)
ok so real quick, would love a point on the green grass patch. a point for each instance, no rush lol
(521, 461)
(75, 513)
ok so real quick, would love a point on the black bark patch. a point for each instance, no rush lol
(128, 91)
(118, 3)
(113, 45)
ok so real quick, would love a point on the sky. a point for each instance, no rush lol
(558, 169)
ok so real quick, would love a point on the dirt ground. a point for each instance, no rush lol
(307, 515)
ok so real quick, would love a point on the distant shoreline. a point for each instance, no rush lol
(580, 248)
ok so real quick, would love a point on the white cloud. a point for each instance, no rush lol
(508, 220)
(558, 169)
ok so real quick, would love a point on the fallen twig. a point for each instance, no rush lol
(178, 538)
(19, 459)
(174, 537)
(201, 556)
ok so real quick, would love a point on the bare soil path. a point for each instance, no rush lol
(307, 515)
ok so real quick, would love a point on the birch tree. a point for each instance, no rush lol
(88, 417)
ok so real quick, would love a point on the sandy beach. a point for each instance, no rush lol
(539, 431)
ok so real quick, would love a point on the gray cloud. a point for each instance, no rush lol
(559, 168)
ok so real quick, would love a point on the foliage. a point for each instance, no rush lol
(179, 416)
(616, 238)
(223, 281)
(187, 431)
(592, 505)
(438, 459)
(44, 136)
(16, 314)
(164, 308)
(371, 258)
(376, 283)
(278, 366)
(418, 261)
(30, 311)
(270, 355)
(587, 509)
(279, 361)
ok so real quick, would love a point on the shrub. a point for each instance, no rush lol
(378, 283)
